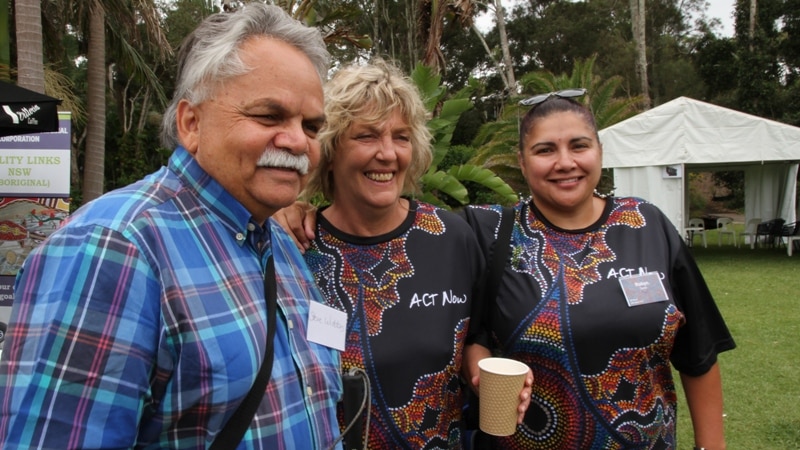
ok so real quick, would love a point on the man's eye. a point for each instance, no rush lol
(266, 117)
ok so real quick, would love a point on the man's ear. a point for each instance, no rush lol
(188, 122)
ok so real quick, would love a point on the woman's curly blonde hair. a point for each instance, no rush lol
(370, 94)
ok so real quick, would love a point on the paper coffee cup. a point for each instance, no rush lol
(501, 381)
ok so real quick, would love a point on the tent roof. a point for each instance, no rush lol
(26, 111)
(12, 93)
(687, 131)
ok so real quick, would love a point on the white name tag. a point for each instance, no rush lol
(327, 326)
(643, 289)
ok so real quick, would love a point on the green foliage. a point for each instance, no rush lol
(601, 97)
(446, 188)
(553, 35)
(485, 178)
(463, 53)
(756, 73)
(734, 182)
(675, 76)
(497, 143)
(130, 156)
(697, 203)
(789, 43)
(429, 85)
(438, 182)
(759, 75)
(715, 60)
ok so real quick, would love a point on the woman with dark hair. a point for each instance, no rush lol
(600, 297)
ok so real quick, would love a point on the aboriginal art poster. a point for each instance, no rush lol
(34, 198)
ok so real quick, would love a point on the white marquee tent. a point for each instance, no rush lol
(651, 154)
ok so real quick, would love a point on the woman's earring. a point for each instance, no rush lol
(600, 195)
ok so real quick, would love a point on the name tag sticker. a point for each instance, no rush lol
(643, 289)
(327, 326)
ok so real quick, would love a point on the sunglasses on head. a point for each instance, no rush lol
(541, 98)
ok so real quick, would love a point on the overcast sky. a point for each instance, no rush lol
(723, 10)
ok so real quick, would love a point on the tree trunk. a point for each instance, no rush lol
(638, 23)
(752, 30)
(30, 60)
(94, 162)
(500, 17)
(497, 65)
(5, 42)
(376, 15)
(433, 56)
(411, 34)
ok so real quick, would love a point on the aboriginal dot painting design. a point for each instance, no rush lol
(362, 280)
(627, 405)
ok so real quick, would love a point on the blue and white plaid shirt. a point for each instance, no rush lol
(142, 324)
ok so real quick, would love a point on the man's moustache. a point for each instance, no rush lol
(285, 160)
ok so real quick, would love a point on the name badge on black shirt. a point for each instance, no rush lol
(643, 289)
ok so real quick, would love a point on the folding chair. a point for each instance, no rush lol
(725, 226)
(749, 234)
(696, 227)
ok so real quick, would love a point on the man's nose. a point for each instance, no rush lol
(292, 137)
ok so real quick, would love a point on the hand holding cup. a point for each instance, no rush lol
(501, 380)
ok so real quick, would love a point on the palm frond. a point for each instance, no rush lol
(485, 178)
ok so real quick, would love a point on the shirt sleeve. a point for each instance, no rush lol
(704, 334)
(81, 343)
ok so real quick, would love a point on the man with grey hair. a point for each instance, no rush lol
(144, 321)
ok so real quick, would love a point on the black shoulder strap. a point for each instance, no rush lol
(234, 430)
(500, 254)
(496, 263)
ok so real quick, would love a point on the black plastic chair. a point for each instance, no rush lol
(769, 232)
(787, 230)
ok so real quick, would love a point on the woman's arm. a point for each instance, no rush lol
(704, 398)
(299, 220)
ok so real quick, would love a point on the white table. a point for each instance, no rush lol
(790, 243)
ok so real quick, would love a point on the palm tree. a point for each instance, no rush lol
(606, 107)
(30, 60)
(5, 42)
(132, 25)
(94, 171)
(433, 16)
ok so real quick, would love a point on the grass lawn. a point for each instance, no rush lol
(758, 293)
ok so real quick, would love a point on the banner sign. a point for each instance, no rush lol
(36, 164)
